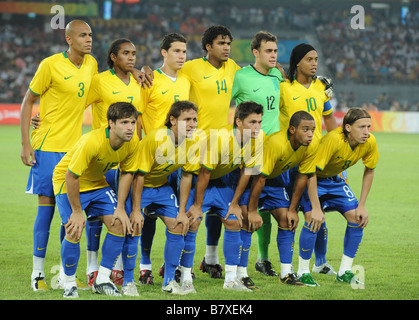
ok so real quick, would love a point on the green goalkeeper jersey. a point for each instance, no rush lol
(251, 85)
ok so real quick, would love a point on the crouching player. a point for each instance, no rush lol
(79, 184)
(339, 150)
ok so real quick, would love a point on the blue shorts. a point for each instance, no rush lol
(40, 175)
(95, 203)
(273, 196)
(161, 201)
(334, 195)
(217, 197)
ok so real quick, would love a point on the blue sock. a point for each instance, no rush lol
(70, 255)
(352, 240)
(93, 231)
(307, 242)
(285, 242)
(62, 233)
(172, 252)
(147, 235)
(41, 229)
(129, 256)
(189, 250)
(232, 247)
(111, 248)
(320, 247)
(246, 238)
(213, 224)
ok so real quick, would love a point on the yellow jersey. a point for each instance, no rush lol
(159, 157)
(295, 97)
(63, 90)
(92, 157)
(335, 154)
(210, 90)
(279, 156)
(156, 101)
(106, 89)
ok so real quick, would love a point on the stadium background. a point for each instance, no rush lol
(376, 68)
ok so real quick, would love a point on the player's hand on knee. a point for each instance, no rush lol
(293, 219)
(255, 221)
(182, 219)
(74, 226)
(361, 216)
(121, 215)
(137, 222)
(235, 210)
(316, 220)
(194, 213)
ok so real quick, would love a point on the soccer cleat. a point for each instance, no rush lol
(324, 269)
(91, 277)
(117, 277)
(146, 277)
(265, 267)
(187, 287)
(39, 284)
(291, 279)
(308, 280)
(106, 288)
(235, 285)
(248, 283)
(173, 288)
(214, 270)
(348, 277)
(71, 293)
(130, 290)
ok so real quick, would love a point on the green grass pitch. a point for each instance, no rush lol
(387, 258)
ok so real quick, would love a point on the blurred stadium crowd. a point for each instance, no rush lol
(379, 54)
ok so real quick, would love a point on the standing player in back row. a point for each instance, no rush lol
(211, 78)
(62, 82)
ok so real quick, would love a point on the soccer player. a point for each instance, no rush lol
(162, 152)
(80, 184)
(62, 82)
(234, 146)
(211, 78)
(169, 86)
(260, 82)
(114, 85)
(301, 91)
(282, 151)
(339, 150)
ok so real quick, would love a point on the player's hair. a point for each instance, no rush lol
(213, 32)
(114, 48)
(177, 108)
(121, 110)
(298, 117)
(261, 36)
(168, 39)
(353, 115)
(246, 108)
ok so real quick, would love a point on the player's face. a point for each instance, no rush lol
(359, 131)
(126, 57)
(124, 128)
(80, 39)
(220, 48)
(267, 54)
(305, 132)
(308, 64)
(185, 124)
(250, 126)
(175, 57)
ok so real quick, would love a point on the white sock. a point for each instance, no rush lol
(103, 275)
(145, 266)
(92, 265)
(303, 266)
(38, 267)
(186, 274)
(242, 272)
(69, 281)
(211, 255)
(231, 273)
(285, 269)
(345, 264)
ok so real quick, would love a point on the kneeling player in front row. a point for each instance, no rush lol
(339, 150)
(282, 151)
(79, 184)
